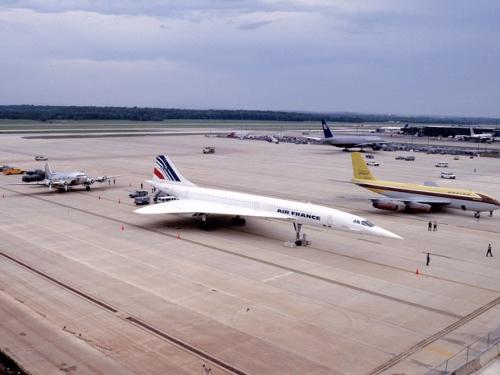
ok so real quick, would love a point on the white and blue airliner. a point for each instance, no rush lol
(188, 198)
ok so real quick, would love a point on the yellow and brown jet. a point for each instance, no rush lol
(418, 198)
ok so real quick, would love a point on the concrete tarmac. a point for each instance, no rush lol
(87, 286)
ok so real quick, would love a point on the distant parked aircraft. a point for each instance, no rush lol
(348, 141)
(418, 198)
(392, 129)
(483, 137)
(191, 199)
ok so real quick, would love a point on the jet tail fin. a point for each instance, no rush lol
(48, 170)
(359, 168)
(326, 129)
(165, 171)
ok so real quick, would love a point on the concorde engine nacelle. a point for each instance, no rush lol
(418, 207)
(391, 205)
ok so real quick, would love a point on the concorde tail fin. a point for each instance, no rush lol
(165, 171)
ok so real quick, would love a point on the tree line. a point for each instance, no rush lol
(54, 113)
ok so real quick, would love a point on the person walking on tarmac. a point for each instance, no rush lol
(488, 252)
(435, 226)
(428, 259)
(429, 226)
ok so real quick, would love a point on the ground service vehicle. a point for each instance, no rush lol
(373, 163)
(448, 175)
(140, 201)
(138, 193)
(35, 171)
(209, 150)
(35, 175)
(12, 170)
(41, 158)
(442, 164)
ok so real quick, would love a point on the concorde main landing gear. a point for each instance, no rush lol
(203, 221)
(238, 220)
(87, 187)
(298, 240)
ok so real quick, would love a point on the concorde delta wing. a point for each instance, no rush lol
(189, 206)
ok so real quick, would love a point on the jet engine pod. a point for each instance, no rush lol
(418, 207)
(392, 205)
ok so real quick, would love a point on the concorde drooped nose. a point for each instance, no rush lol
(384, 233)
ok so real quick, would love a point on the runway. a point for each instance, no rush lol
(96, 288)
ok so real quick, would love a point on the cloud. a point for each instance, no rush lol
(253, 25)
(372, 55)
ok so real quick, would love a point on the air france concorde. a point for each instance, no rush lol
(187, 198)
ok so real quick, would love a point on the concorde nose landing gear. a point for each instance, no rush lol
(299, 240)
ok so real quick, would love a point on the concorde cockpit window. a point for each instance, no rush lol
(367, 223)
(356, 222)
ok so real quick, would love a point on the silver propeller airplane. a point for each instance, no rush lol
(63, 181)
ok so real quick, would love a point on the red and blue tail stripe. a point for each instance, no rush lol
(164, 171)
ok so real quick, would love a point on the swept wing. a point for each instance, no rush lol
(433, 201)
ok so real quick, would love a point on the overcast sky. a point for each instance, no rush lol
(406, 57)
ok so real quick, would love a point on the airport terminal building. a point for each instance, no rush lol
(448, 130)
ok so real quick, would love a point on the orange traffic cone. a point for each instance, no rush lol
(416, 272)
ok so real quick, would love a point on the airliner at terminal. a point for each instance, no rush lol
(188, 198)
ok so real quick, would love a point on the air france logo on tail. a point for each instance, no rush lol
(164, 171)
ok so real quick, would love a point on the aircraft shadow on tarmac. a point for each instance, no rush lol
(185, 222)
